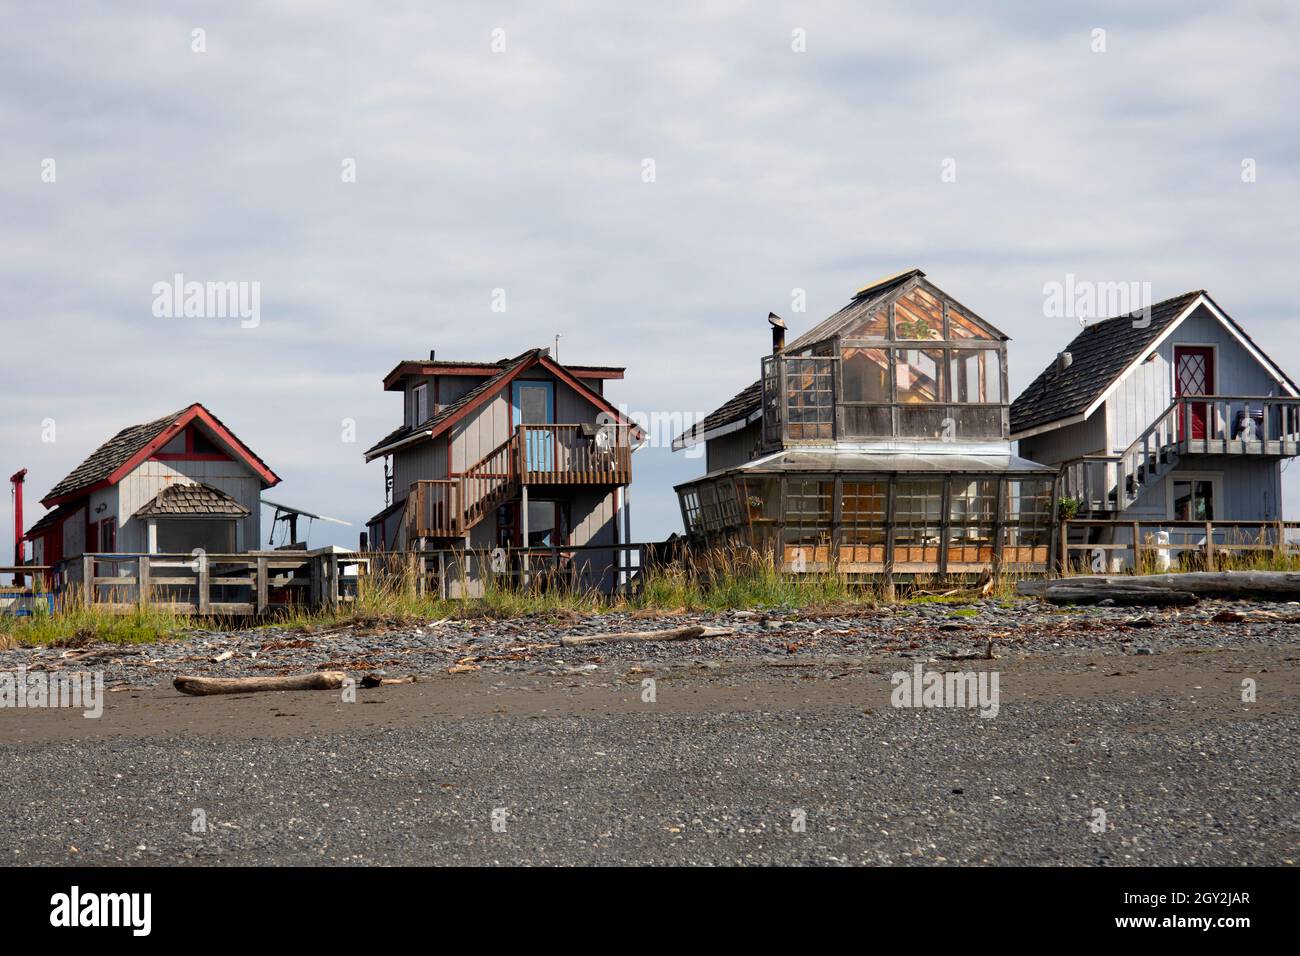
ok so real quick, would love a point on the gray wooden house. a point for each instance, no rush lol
(876, 443)
(519, 453)
(1173, 413)
(180, 482)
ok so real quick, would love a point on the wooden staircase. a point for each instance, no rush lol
(533, 455)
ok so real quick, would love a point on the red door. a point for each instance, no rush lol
(1194, 375)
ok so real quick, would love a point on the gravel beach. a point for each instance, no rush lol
(1120, 738)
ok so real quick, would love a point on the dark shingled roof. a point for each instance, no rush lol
(1099, 354)
(735, 409)
(49, 520)
(428, 427)
(111, 455)
(195, 499)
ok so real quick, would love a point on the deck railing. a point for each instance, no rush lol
(532, 455)
(1155, 545)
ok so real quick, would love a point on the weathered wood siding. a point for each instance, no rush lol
(1072, 441)
(423, 461)
(141, 485)
(733, 450)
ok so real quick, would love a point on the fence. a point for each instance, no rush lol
(1111, 546)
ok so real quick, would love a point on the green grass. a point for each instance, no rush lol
(718, 580)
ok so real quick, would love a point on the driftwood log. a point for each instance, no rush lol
(1119, 594)
(689, 632)
(1242, 585)
(205, 686)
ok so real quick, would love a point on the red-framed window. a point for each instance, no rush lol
(191, 445)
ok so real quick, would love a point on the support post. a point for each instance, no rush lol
(88, 578)
(143, 575)
(204, 596)
(263, 585)
(1137, 548)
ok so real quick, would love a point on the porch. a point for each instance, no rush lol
(1257, 426)
(534, 455)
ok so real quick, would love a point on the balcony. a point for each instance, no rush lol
(564, 455)
(1261, 426)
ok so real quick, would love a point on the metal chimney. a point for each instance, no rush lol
(778, 332)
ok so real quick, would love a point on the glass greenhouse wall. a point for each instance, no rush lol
(901, 523)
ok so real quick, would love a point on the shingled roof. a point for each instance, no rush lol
(430, 427)
(114, 453)
(1098, 356)
(188, 500)
(106, 462)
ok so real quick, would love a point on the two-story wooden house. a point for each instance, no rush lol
(180, 482)
(876, 442)
(522, 452)
(1171, 413)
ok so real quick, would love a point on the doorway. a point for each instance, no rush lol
(533, 403)
(1194, 375)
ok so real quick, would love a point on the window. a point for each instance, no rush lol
(691, 511)
(961, 326)
(918, 315)
(1029, 521)
(807, 533)
(810, 398)
(108, 535)
(976, 376)
(420, 404)
(918, 519)
(863, 511)
(875, 325)
(865, 374)
(1193, 499)
(183, 535)
(728, 503)
(920, 375)
(972, 517)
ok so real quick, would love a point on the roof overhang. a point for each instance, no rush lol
(687, 439)
(395, 380)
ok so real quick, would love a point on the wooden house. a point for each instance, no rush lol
(180, 482)
(523, 452)
(1170, 414)
(876, 442)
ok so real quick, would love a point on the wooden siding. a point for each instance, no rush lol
(1251, 488)
(1072, 441)
(1148, 390)
(423, 461)
(730, 451)
(140, 486)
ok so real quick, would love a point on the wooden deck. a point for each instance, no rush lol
(552, 455)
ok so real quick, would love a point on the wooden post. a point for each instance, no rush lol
(421, 570)
(88, 578)
(204, 595)
(1137, 548)
(334, 581)
(1065, 547)
(1209, 543)
(263, 585)
(143, 574)
(442, 575)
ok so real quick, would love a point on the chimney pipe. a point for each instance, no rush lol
(1063, 361)
(432, 355)
(20, 551)
(778, 332)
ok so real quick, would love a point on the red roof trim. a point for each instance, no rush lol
(393, 379)
(195, 412)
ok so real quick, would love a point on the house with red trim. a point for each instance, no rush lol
(168, 486)
(521, 452)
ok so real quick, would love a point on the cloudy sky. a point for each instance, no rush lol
(523, 169)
